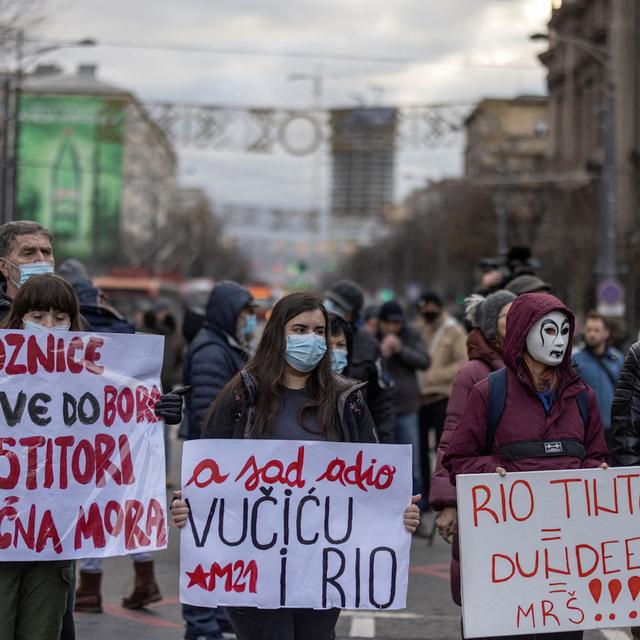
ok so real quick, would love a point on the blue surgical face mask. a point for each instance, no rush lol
(304, 352)
(30, 269)
(339, 360)
(29, 325)
(249, 328)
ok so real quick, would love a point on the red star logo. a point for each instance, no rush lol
(198, 577)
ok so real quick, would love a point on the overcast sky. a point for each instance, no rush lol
(436, 51)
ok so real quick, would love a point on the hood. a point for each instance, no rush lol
(478, 348)
(526, 310)
(225, 303)
(88, 295)
(73, 271)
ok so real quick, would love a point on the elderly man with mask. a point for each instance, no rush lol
(25, 250)
(535, 414)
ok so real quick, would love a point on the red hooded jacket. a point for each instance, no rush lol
(524, 416)
(483, 359)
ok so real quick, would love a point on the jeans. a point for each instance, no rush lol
(406, 431)
(94, 565)
(33, 598)
(283, 624)
(203, 622)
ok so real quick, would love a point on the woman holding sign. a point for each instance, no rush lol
(34, 594)
(536, 414)
(289, 392)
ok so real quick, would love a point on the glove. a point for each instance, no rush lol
(169, 407)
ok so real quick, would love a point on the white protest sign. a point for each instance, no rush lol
(549, 551)
(295, 524)
(81, 451)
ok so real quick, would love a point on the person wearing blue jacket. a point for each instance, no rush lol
(214, 356)
(599, 364)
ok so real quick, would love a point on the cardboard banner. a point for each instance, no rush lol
(549, 551)
(81, 452)
(295, 524)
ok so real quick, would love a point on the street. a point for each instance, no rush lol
(430, 613)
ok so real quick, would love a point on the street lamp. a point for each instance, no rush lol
(607, 261)
(12, 89)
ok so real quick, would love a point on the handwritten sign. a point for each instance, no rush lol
(288, 524)
(549, 551)
(81, 450)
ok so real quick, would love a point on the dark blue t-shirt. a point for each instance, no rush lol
(287, 422)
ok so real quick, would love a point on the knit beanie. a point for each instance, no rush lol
(483, 313)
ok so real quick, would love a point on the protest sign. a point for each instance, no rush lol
(549, 551)
(295, 524)
(81, 450)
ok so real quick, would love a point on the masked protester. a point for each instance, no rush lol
(100, 317)
(404, 355)
(340, 343)
(288, 391)
(543, 401)
(488, 317)
(25, 250)
(346, 299)
(35, 594)
(445, 340)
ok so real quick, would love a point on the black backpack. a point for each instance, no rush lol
(529, 448)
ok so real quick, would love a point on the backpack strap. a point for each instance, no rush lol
(583, 405)
(497, 399)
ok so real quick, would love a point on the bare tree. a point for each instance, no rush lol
(17, 16)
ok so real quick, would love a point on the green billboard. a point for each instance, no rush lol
(70, 170)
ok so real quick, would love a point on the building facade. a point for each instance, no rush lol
(92, 167)
(507, 136)
(363, 162)
(592, 64)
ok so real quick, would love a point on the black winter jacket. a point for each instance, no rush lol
(100, 316)
(402, 368)
(235, 419)
(5, 304)
(367, 366)
(624, 450)
(214, 356)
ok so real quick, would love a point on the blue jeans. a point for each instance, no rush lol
(94, 565)
(406, 431)
(203, 622)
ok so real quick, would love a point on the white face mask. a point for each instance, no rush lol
(548, 339)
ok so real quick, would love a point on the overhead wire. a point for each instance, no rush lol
(304, 55)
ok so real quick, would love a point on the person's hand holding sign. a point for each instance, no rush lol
(179, 510)
(412, 514)
(447, 523)
(169, 407)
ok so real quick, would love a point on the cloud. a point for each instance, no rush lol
(450, 48)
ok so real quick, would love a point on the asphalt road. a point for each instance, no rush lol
(430, 615)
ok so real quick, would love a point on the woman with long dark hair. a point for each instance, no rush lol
(288, 391)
